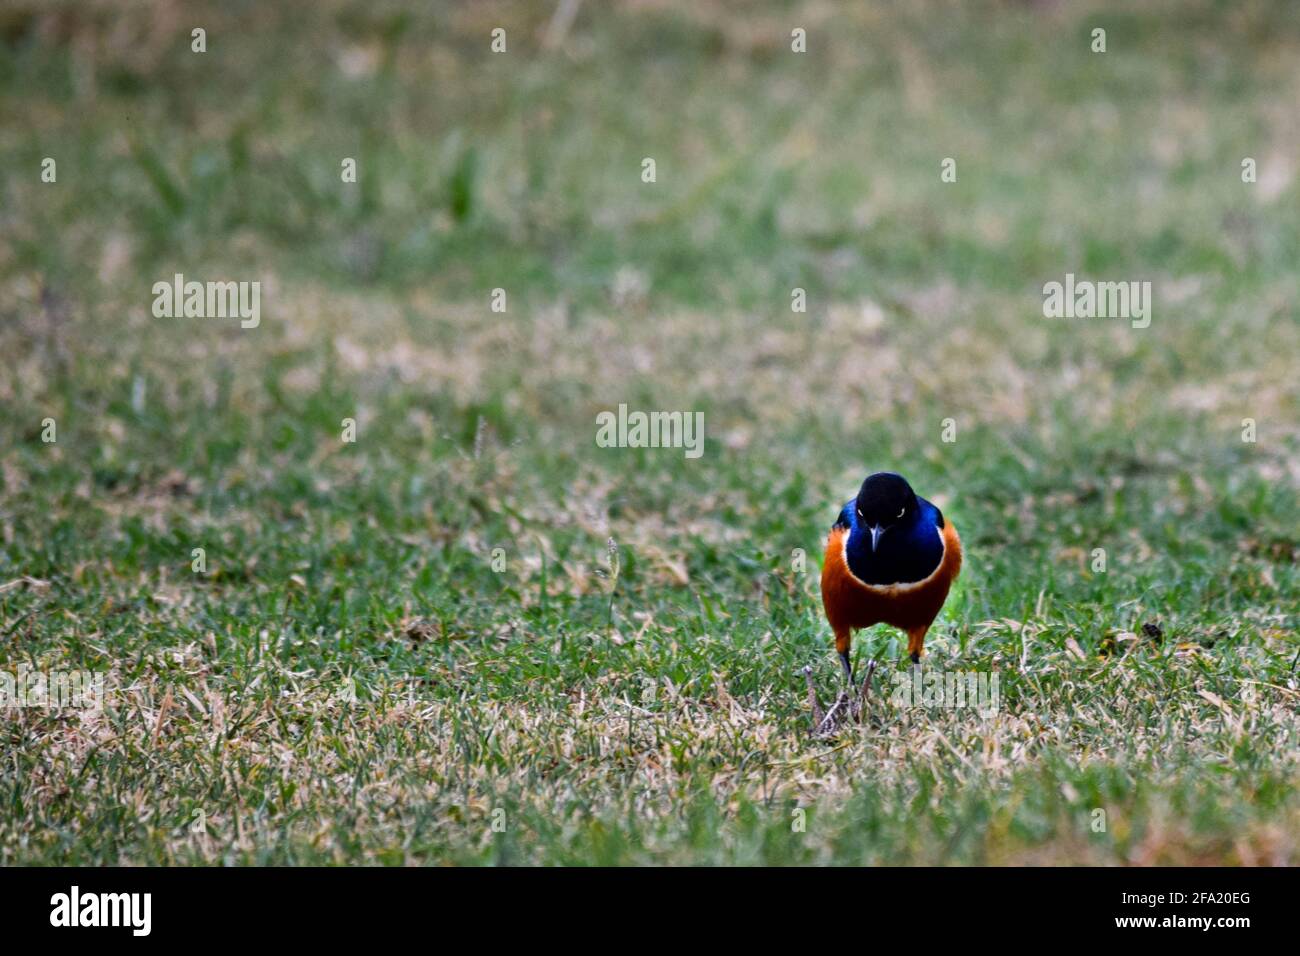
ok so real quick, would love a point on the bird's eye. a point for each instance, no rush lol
(903, 512)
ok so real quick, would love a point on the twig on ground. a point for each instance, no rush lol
(813, 703)
(865, 690)
(844, 709)
(558, 29)
(834, 717)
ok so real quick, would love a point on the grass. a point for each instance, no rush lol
(564, 710)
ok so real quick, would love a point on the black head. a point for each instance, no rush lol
(886, 500)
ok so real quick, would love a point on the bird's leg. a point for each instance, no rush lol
(916, 643)
(843, 642)
(845, 705)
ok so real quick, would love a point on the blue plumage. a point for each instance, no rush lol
(887, 536)
(904, 554)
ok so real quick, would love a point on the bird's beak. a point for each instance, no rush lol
(876, 532)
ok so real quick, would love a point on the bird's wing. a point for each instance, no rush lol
(938, 515)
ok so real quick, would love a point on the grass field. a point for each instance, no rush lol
(646, 706)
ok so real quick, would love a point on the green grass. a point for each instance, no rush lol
(655, 714)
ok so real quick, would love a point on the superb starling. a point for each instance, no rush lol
(890, 559)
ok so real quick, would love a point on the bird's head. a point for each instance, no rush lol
(885, 501)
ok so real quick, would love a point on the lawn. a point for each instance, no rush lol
(472, 634)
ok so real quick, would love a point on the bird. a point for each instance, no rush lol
(890, 559)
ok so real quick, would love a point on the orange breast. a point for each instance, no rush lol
(850, 603)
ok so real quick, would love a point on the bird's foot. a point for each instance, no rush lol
(850, 705)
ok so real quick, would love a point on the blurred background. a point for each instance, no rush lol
(775, 171)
